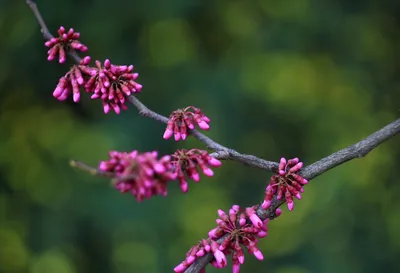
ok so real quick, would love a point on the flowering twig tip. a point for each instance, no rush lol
(72, 163)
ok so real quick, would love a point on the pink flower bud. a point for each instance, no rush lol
(256, 220)
(184, 186)
(235, 268)
(180, 268)
(208, 171)
(200, 253)
(290, 205)
(214, 162)
(258, 255)
(220, 258)
(168, 133)
(266, 204)
(262, 234)
(297, 167)
(203, 125)
(282, 164)
(222, 214)
(190, 260)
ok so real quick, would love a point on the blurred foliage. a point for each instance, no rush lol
(278, 78)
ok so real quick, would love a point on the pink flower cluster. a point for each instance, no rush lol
(141, 174)
(72, 81)
(63, 43)
(185, 163)
(199, 250)
(110, 83)
(234, 230)
(144, 175)
(181, 121)
(287, 183)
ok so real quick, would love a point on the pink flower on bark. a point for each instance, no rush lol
(199, 250)
(71, 82)
(141, 174)
(242, 228)
(239, 228)
(63, 43)
(113, 84)
(285, 184)
(187, 162)
(181, 121)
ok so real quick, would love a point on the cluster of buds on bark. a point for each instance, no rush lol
(187, 162)
(71, 82)
(110, 83)
(199, 250)
(287, 183)
(234, 230)
(63, 43)
(181, 121)
(143, 175)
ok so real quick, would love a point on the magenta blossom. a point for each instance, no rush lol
(182, 121)
(62, 44)
(241, 228)
(187, 162)
(112, 84)
(287, 183)
(199, 250)
(71, 82)
(238, 228)
(141, 174)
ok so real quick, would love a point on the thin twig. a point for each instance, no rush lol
(357, 150)
(45, 31)
(89, 169)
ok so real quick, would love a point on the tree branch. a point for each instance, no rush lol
(221, 152)
(357, 150)
(45, 31)
(360, 149)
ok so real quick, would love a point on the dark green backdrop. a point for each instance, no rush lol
(278, 78)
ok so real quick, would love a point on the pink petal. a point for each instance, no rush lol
(168, 134)
(180, 268)
(258, 255)
(290, 205)
(203, 125)
(208, 171)
(214, 162)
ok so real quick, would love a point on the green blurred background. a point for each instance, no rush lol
(278, 78)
